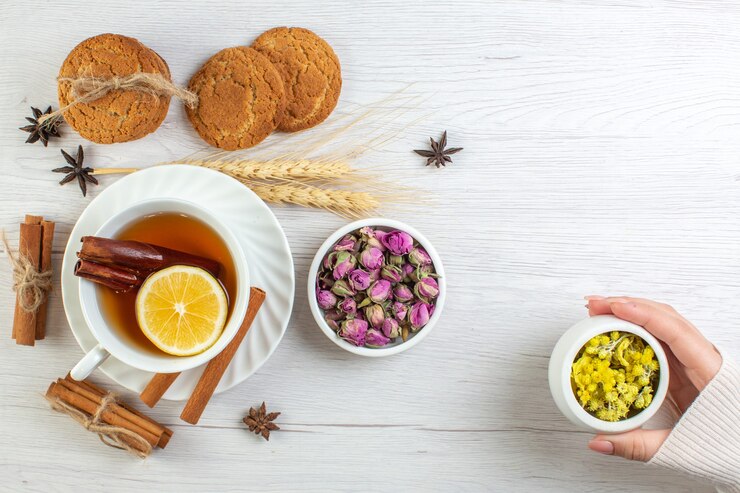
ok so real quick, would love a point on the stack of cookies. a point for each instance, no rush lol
(289, 80)
(120, 115)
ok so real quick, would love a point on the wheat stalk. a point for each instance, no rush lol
(345, 203)
(279, 169)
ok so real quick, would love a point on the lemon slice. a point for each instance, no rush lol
(181, 309)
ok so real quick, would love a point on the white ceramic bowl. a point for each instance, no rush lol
(110, 340)
(393, 347)
(560, 369)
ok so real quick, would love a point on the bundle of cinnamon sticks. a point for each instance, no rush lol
(123, 265)
(32, 279)
(117, 424)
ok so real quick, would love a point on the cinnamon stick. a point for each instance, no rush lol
(87, 397)
(116, 278)
(47, 243)
(166, 434)
(24, 322)
(157, 386)
(138, 257)
(217, 366)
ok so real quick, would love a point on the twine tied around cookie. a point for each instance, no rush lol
(89, 89)
(111, 435)
(30, 284)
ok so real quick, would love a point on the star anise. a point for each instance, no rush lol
(75, 170)
(41, 131)
(438, 155)
(260, 422)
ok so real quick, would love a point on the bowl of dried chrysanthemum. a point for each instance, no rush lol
(608, 375)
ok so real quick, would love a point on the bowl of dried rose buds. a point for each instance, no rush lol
(608, 375)
(376, 287)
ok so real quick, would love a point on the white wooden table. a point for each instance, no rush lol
(602, 155)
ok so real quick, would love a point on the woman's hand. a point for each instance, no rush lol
(693, 362)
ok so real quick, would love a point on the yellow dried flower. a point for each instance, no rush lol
(613, 375)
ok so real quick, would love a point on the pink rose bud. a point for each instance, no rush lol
(427, 288)
(379, 290)
(407, 270)
(391, 328)
(359, 279)
(334, 315)
(354, 331)
(375, 315)
(326, 299)
(419, 256)
(348, 306)
(398, 242)
(374, 275)
(399, 311)
(391, 273)
(344, 263)
(333, 324)
(372, 258)
(329, 260)
(403, 293)
(346, 244)
(369, 236)
(418, 315)
(342, 288)
(375, 338)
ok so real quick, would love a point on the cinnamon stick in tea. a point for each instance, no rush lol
(116, 278)
(138, 257)
(24, 320)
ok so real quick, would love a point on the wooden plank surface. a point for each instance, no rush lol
(601, 156)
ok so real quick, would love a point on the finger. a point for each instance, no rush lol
(691, 348)
(634, 445)
(600, 305)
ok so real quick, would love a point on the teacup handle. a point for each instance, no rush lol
(89, 362)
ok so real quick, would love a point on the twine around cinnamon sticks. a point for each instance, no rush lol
(116, 424)
(89, 89)
(32, 278)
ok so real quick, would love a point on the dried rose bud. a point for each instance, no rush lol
(407, 270)
(374, 275)
(342, 288)
(375, 315)
(391, 328)
(379, 290)
(326, 280)
(403, 293)
(418, 315)
(375, 338)
(398, 242)
(334, 315)
(346, 244)
(391, 273)
(421, 272)
(348, 306)
(329, 260)
(427, 288)
(395, 259)
(345, 262)
(399, 311)
(326, 299)
(372, 258)
(332, 324)
(359, 279)
(354, 331)
(419, 256)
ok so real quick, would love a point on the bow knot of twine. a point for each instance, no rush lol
(88, 89)
(111, 435)
(30, 284)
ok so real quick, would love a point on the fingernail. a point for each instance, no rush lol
(601, 446)
(595, 297)
(587, 306)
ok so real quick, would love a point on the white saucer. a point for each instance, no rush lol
(253, 223)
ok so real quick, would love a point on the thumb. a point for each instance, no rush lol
(634, 445)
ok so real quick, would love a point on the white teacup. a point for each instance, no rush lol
(111, 342)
